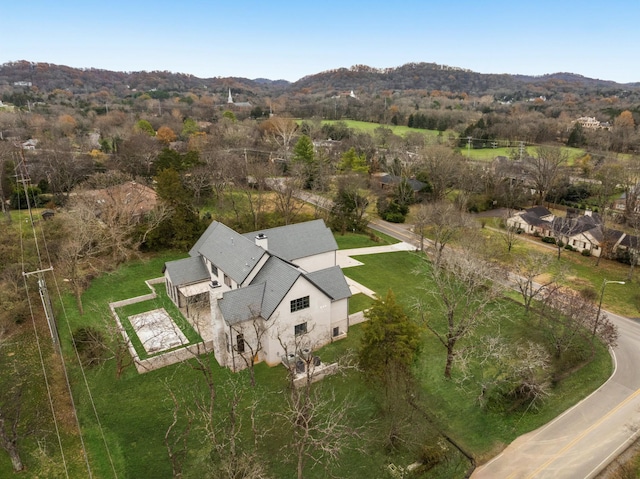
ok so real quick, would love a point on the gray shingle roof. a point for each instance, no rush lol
(234, 254)
(242, 304)
(299, 240)
(278, 277)
(187, 271)
(331, 281)
(534, 220)
(539, 211)
(630, 241)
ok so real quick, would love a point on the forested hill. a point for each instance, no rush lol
(360, 78)
(48, 77)
(431, 76)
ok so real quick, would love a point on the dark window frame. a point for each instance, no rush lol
(300, 329)
(300, 304)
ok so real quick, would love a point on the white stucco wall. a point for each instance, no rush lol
(317, 262)
(317, 316)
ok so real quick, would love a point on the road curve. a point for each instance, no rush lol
(586, 438)
(583, 440)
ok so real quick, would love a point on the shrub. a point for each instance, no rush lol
(89, 343)
(568, 247)
(549, 239)
(586, 252)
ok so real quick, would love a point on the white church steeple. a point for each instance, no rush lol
(230, 99)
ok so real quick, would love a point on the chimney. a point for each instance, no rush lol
(262, 241)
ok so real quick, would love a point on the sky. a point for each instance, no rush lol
(289, 40)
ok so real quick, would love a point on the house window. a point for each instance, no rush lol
(227, 280)
(336, 331)
(214, 269)
(240, 343)
(300, 328)
(300, 303)
(226, 340)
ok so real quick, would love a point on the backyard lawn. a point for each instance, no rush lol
(136, 410)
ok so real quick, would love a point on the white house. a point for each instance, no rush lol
(265, 290)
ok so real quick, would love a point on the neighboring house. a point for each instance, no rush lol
(631, 201)
(532, 220)
(387, 181)
(271, 287)
(581, 232)
(589, 122)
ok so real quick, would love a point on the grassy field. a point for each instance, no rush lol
(400, 130)
(488, 154)
(135, 410)
(582, 272)
(482, 432)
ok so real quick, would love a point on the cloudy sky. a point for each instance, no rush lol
(288, 40)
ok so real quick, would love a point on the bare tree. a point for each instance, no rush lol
(544, 169)
(445, 223)
(176, 437)
(128, 212)
(63, 167)
(442, 166)
(81, 244)
(281, 130)
(514, 373)
(287, 204)
(249, 339)
(318, 418)
(529, 267)
(464, 289)
(7, 154)
(510, 235)
(569, 316)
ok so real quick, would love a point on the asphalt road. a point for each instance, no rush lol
(583, 440)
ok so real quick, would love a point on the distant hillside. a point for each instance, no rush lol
(361, 78)
(47, 77)
(431, 76)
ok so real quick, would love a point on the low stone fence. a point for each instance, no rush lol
(317, 374)
(163, 359)
(171, 357)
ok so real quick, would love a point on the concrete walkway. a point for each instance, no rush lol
(344, 258)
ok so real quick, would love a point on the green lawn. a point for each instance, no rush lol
(482, 432)
(135, 411)
(582, 272)
(488, 154)
(400, 130)
(359, 240)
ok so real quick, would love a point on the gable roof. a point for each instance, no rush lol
(299, 240)
(534, 220)
(539, 211)
(630, 241)
(388, 179)
(278, 277)
(240, 305)
(234, 254)
(331, 281)
(187, 271)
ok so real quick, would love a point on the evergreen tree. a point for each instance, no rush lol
(391, 339)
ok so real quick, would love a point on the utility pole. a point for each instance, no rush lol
(23, 178)
(469, 146)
